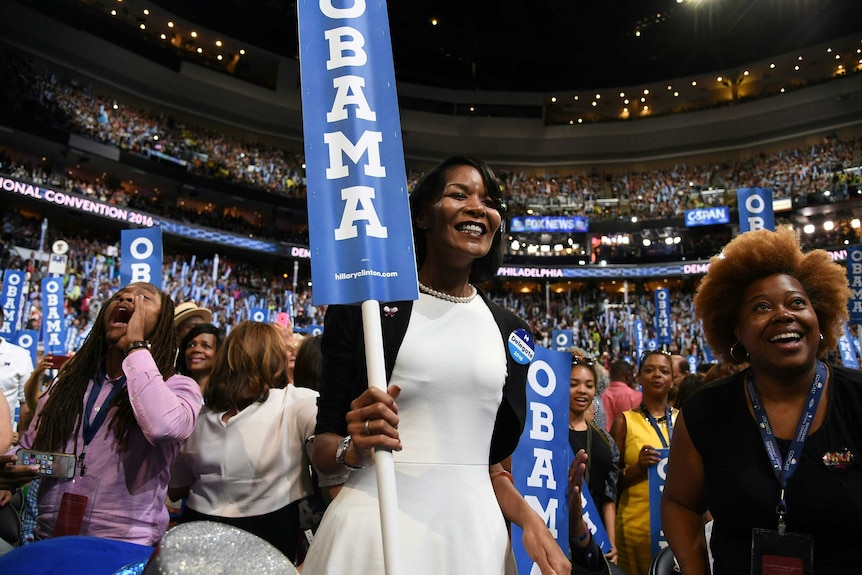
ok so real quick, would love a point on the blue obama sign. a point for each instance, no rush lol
(540, 463)
(11, 298)
(854, 278)
(141, 259)
(53, 316)
(755, 209)
(358, 211)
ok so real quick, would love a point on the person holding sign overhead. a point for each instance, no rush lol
(456, 365)
(640, 433)
(119, 415)
(772, 452)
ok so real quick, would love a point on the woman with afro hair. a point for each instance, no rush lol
(767, 303)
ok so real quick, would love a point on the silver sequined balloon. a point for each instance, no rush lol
(206, 547)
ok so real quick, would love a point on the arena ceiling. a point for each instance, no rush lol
(547, 45)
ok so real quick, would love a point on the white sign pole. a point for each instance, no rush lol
(384, 463)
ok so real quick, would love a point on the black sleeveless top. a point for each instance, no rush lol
(602, 463)
(824, 496)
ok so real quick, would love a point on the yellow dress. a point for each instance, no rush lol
(633, 513)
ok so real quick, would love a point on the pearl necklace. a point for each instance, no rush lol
(444, 296)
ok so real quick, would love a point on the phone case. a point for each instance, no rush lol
(57, 465)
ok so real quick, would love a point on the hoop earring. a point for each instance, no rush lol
(733, 355)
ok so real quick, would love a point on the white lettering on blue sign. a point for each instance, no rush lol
(10, 309)
(346, 49)
(548, 514)
(542, 429)
(356, 196)
(755, 205)
(141, 249)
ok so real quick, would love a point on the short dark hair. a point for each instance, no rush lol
(193, 333)
(308, 367)
(620, 369)
(429, 189)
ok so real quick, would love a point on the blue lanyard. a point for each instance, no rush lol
(784, 470)
(90, 429)
(652, 420)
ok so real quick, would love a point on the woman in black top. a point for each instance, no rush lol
(602, 463)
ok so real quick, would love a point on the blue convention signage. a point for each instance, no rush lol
(566, 224)
(707, 216)
(29, 340)
(11, 298)
(358, 212)
(662, 316)
(755, 209)
(259, 314)
(540, 462)
(854, 278)
(640, 339)
(657, 476)
(53, 316)
(562, 339)
(847, 349)
(141, 259)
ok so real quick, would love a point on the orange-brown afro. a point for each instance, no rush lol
(758, 254)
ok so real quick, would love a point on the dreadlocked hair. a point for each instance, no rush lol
(62, 415)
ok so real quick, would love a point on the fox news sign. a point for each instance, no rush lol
(545, 224)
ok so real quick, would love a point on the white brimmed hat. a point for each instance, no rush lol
(190, 309)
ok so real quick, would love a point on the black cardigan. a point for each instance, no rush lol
(345, 375)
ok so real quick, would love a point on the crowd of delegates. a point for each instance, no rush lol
(229, 217)
(600, 322)
(161, 408)
(802, 172)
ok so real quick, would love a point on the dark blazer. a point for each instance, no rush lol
(345, 376)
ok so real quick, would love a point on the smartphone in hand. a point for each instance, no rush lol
(57, 465)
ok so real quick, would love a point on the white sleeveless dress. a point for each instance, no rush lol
(451, 368)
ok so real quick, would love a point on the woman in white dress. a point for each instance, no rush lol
(460, 403)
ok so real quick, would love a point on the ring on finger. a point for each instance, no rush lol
(367, 431)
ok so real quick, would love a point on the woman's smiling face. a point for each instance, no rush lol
(200, 353)
(778, 325)
(582, 389)
(462, 223)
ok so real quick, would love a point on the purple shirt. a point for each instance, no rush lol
(126, 490)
